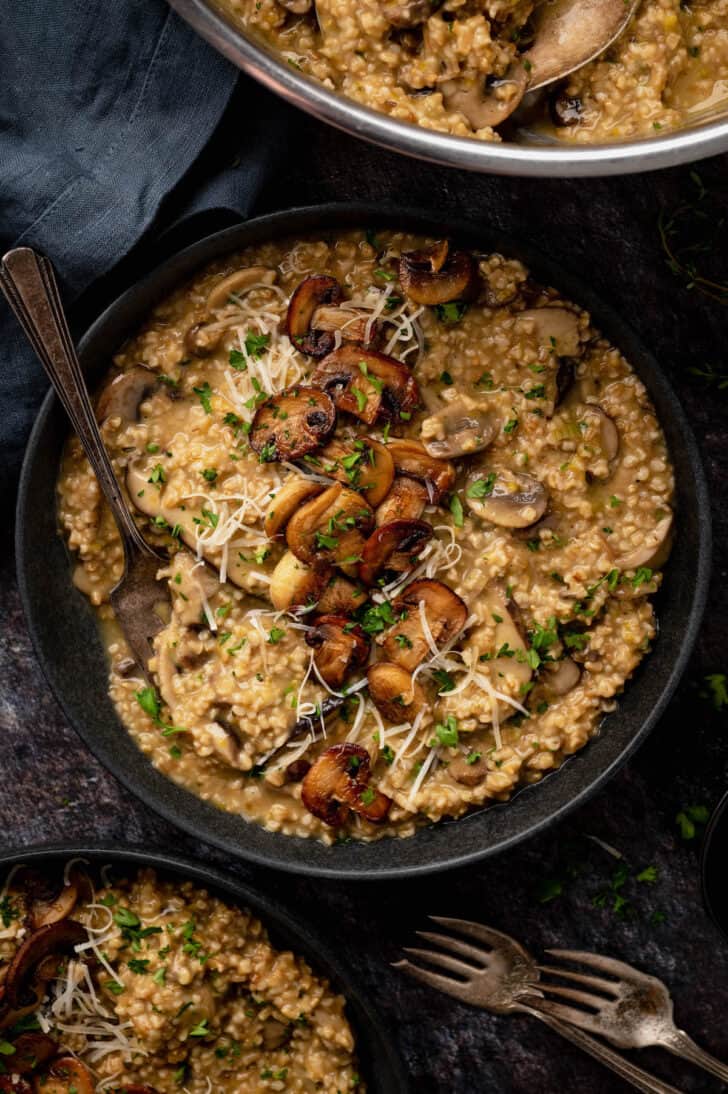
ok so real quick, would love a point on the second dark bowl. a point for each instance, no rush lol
(66, 637)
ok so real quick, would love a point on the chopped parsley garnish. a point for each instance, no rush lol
(256, 344)
(452, 312)
(717, 692)
(367, 796)
(482, 488)
(447, 732)
(237, 360)
(204, 394)
(510, 425)
(690, 818)
(456, 508)
(275, 634)
(642, 576)
(209, 474)
(537, 392)
(444, 681)
(157, 476)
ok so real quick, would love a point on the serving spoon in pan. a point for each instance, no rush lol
(29, 283)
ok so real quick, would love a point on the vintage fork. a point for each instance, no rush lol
(28, 281)
(499, 975)
(627, 1007)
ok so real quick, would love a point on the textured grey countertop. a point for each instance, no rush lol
(53, 789)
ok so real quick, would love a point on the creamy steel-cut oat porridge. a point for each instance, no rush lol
(415, 508)
(462, 66)
(151, 985)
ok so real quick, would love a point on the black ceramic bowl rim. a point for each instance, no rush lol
(65, 636)
(380, 1063)
(712, 869)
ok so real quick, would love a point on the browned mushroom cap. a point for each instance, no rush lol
(10, 1017)
(367, 384)
(295, 584)
(396, 696)
(458, 431)
(469, 770)
(354, 324)
(338, 782)
(406, 642)
(510, 499)
(60, 905)
(331, 528)
(556, 328)
(486, 102)
(393, 546)
(238, 282)
(66, 1076)
(341, 596)
(412, 458)
(291, 424)
(406, 500)
(55, 938)
(341, 647)
(32, 1050)
(202, 339)
(310, 295)
(286, 501)
(428, 278)
(365, 465)
(123, 394)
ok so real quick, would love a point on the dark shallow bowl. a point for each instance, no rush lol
(380, 1065)
(66, 637)
(714, 865)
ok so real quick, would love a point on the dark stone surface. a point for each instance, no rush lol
(52, 789)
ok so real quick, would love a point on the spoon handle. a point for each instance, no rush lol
(684, 1046)
(28, 281)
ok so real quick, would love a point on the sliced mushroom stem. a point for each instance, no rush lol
(364, 464)
(286, 501)
(412, 458)
(410, 639)
(406, 500)
(239, 282)
(398, 542)
(295, 584)
(330, 529)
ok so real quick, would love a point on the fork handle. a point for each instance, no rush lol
(637, 1076)
(29, 283)
(680, 1044)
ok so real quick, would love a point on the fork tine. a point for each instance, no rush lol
(454, 945)
(434, 980)
(576, 1017)
(443, 960)
(581, 978)
(490, 937)
(605, 964)
(593, 1001)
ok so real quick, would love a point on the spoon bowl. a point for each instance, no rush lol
(570, 33)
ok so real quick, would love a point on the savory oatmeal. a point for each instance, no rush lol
(151, 985)
(415, 508)
(464, 66)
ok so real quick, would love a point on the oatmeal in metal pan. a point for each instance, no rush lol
(151, 985)
(415, 508)
(464, 66)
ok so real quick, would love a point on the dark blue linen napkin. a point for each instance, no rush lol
(104, 110)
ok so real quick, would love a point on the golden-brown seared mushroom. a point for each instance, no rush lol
(43, 912)
(238, 282)
(367, 384)
(438, 275)
(486, 102)
(406, 501)
(511, 499)
(412, 458)
(331, 528)
(469, 770)
(310, 295)
(557, 328)
(395, 695)
(57, 937)
(66, 1076)
(338, 782)
(363, 464)
(458, 431)
(406, 641)
(202, 339)
(341, 596)
(32, 1050)
(393, 546)
(123, 394)
(294, 584)
(341, 647)
(354, 324)
(292, 424)
(286, 501)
